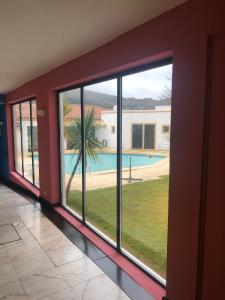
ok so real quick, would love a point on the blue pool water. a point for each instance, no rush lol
(107, 161)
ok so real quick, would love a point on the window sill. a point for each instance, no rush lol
(24, 183)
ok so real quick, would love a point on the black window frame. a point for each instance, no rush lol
(118, 76)
(21, 139)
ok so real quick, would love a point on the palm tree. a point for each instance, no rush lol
(91, 144)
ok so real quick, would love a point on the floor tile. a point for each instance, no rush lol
(8, 234)
(23, 231)
(31, 265)
(4, 256)
(45, 231)
(66, 294)
(22, 249)
(78, 271)
(46, 263)
(42, 284)
(38, 222)
(65, 255)
(53, 242)
(19, 201)
(4, 204)
(98, 288)
(28, 213)
(8, 216)
(7, 273)
(12, 291)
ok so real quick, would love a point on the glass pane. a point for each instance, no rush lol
(17, 138)
(146, 107)
(100, 124)
(27, 153)
(71, 136)
(137, 136)
(149, 139)
(34, 142)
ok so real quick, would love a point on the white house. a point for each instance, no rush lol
(141, 129)
(26, 128)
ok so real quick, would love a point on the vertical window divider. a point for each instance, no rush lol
(61, 137)
(32, 146)
(21, 138)
(13, 132)
(119, 160)
(83, 155)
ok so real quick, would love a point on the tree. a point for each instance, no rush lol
(91, 144)
(166, 93)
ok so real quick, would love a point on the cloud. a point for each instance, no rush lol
(146, 84)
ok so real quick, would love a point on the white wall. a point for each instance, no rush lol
(105, 133)
(160, 116)
(25, 125)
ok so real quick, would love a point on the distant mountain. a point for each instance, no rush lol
(109, 101)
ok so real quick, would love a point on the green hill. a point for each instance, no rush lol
(109, 101)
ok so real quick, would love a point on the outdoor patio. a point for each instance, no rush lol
(108, 179)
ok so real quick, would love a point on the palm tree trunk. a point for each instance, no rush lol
(72, 175)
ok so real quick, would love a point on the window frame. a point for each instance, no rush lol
(118, 76)
(143, 135)
(162, 129)
(21, 139)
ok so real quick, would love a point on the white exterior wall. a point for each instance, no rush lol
(25, 125)
(105, 133)
(159, 117)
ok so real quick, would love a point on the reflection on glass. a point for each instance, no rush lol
(34, 142)
(146, 175)
(17, 138)
(100, 123)
(71, 110)
(27, 153)
(25, 140)
(146, 110)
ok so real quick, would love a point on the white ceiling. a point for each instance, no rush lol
(36, 36)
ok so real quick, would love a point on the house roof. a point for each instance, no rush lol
(75, 112)
(25, 110)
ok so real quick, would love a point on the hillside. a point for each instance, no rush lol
(108, 101)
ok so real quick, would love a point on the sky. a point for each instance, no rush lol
(147, 84)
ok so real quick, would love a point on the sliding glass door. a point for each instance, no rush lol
(71, 149)
(34, 141)
(115, 161)
(145, 187)
(100, 118)
(18, 158)
(137, 136)
(27, 149)
(25, 140)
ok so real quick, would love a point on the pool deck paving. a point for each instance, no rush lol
(106, 179)
(100, 180)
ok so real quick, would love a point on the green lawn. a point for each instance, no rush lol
(144, 221)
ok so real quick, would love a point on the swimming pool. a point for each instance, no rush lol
(108, 161)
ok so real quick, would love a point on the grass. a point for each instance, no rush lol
(144, 218)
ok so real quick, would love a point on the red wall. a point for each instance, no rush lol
(213, 260)
(182, 32)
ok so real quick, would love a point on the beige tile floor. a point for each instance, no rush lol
(42, 263)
